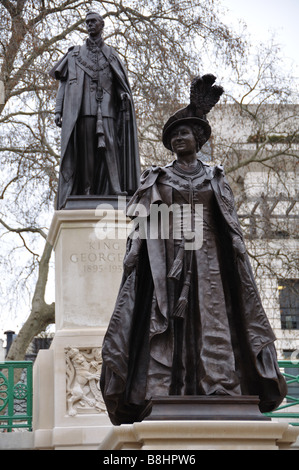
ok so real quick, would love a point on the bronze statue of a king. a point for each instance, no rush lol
(95, 109)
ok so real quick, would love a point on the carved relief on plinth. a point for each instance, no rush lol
(83, 369)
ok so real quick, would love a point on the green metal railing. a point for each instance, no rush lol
(15, 391)
(291, 401)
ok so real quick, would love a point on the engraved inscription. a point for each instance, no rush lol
(100, 256)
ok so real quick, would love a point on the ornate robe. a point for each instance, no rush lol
(188, 322)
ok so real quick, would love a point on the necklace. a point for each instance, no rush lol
(192, 169)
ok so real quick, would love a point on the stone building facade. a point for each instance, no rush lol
(259, 148)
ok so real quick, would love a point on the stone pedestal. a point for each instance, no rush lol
(89, 246)
(187, 436)
(68, 408)
(197, 408)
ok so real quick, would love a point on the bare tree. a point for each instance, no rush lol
(161, 44)
(256, 138)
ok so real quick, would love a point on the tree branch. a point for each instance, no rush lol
(9, 7)
(24, 229)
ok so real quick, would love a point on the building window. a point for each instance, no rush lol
(289, 303)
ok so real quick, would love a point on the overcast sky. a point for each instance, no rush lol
(265, 17)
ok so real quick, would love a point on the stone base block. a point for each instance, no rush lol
(201, 435)
(89, 244)
(195, 408)
(68, 411)
(89, 250)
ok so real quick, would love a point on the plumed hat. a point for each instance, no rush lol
(203, 97)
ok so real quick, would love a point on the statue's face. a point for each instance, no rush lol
(183, 140)
(94, 25)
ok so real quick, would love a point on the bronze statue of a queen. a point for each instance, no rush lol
(188, 319)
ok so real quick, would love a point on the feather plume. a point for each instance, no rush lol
(204, 94)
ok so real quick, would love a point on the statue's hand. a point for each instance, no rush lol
(58, 120)
(239, 246)
(125, 96)
(125, 99)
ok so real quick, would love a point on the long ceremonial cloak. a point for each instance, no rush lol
(136, 330)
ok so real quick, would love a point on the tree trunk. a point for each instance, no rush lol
(41, 314)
